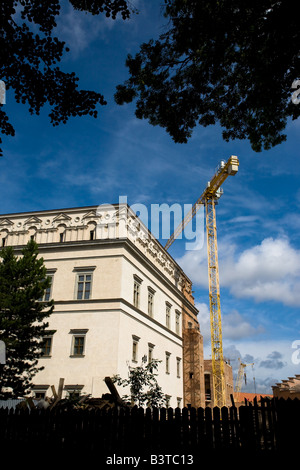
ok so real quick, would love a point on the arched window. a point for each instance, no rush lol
(61, 230)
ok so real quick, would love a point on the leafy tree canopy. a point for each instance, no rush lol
(23, 281)
(143, 385)
(30, 54)
(231, 62)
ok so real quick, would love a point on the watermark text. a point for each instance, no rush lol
(162, 220)
(296, 354)
(296, 94)
(2, 352)
(2, 92)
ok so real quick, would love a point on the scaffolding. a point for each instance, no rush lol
(191, 366)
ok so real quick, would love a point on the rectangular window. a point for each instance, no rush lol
(78, 345)
(168, 398)
(134, 350)
(47, 346)
(168, 315)
(168, 362)
(150, 352)
(179, 400)
(207, 387)
(74, 391)
(178, 366)
(178, 316)
(78, 342)
(150, 301)
(136, 291)
(40, 391)
(135, 342)
(84, 285)
(48, 292)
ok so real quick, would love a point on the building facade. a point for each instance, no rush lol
(120, 298)
(208, 383)
(287, 388)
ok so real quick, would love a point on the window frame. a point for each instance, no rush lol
(168, 315)
(135, 348)
(40, 391)
(177, 322)
(178, 367)
(150, 352)
(73, 391)
(137, 282)
(78, 334)
(78, 346)
(168, 400)
(167, 359)
(47, 296)
(83, 271)
(151, 293)
(46, 338)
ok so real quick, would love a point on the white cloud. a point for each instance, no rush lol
(272, 362)
(269, 271)
(79, 29)
(234, 325)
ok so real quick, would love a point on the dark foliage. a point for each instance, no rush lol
(230, 62)
(23, 281)
(30, 55)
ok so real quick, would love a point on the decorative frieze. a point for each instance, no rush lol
(86, 224)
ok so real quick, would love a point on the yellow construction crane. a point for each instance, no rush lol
(241, 373)
(209, 198)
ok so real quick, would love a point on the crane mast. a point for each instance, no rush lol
(215, 305)
(209, 198)
(239, 379)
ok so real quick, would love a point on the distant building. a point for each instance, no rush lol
(208, 383)
(242, 398)
(119, 298)
(288, 388)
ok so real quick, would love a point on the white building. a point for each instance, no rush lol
(119, 297)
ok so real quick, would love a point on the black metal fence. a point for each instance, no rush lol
(181, 436)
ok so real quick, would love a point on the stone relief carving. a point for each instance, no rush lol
(124, 222)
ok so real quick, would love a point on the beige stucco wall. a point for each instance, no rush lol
(120, 250)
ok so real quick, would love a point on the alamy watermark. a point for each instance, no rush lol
(160, 219)
(2, 92)
(294, 97)
(296, 354)
(2, 352)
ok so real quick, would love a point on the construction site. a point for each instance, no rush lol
(197, 382)
(213, 418)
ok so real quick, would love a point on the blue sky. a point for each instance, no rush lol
(90, 162)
